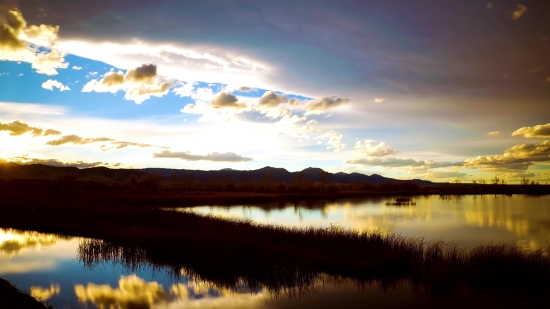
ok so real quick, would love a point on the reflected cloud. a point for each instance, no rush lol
(132, 292)
(135, 292)
(43, 294)
(13, 242)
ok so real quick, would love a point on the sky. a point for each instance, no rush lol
(454, 90)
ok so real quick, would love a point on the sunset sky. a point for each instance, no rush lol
(431, 89)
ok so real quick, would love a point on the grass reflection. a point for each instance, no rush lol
(433, 269)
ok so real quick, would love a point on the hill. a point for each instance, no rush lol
(39, 171)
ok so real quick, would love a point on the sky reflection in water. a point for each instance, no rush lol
(46, 265)
(467, 220)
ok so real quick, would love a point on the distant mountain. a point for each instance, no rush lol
(39, 171)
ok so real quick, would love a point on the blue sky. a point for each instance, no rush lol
(442, 91)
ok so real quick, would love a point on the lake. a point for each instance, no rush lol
(48, 265)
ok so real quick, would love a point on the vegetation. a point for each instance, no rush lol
(232, 252)
(12, 297)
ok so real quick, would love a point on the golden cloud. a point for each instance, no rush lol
(139, 84)
(518, 157)
(539, 131)
(17, 128)
(77, 140)
(494, 133)
(132, 292)
(20, 43)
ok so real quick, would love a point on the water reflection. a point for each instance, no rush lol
(13, 242)
(43, 294)
(134, 292)
(468, 220)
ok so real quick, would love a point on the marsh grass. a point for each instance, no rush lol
(280, 258)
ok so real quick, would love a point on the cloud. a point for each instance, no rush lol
(413, 165)
(539, 131)
(214, 156)
(75, 67)
(226, 100)
(519, 11)
(77, 140)
(120, 145)
(49, 132)
(516, 175)
(444, 174)
(55, 162)
(518, 157)
(334, 140)
(489, 5)
(139, 84)
(43, 294)
(272, 99)
(132, 292)
(319, 106)
(368, 149)
(50, 84)
(494, 133)
(17, 128)
(379, 100)
(21, 43)
(273, 105)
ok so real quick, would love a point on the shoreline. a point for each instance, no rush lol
(229, 252)
(15, 298)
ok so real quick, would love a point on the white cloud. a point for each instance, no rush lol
(367, 148)
(334, 140)
(50, 84)
(204, 63)
(379, 100)
(75, 67)
(139, 84)
(214, 156)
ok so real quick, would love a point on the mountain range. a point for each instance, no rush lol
(39, 171)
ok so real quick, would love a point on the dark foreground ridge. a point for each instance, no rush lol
(13, 298)
(231, 252)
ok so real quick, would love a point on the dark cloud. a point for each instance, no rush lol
(214, 156)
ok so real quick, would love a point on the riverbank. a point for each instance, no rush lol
(230, 252)
(13, 298)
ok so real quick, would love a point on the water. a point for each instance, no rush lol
(467, 220)
(47, 265)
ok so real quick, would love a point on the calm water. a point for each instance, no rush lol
(468, 220)
(46, 265)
